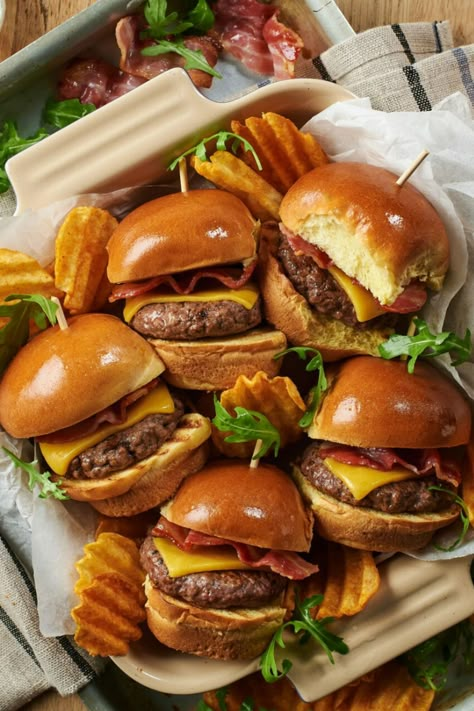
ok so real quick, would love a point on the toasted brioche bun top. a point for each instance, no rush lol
(228, 499)
(377, 403)
(181, 231)
(377, 232)
(61, 377)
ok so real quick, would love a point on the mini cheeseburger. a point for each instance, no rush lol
(107, 427)
(184, 263)
(221, 557)
(383, 439)
(354, 252)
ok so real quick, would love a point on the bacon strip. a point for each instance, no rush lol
(185, 283)
(94, 81)
(284, 45)
(286, 563)
(419, 461)
(113, 415)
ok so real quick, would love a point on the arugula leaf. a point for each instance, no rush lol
(311, 628)
(246, 426)
(464, 516)
(15, 333)
(195, 59)
(221, 139)
(316, 363)
(202, 706)
(159, 23)
(62, 113)
(428, 663)
(49, 489)
(201, 16)
(426, 344)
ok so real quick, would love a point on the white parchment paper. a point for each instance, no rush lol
(54, 532)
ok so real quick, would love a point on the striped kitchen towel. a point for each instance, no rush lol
(401, 67)
(31, 663)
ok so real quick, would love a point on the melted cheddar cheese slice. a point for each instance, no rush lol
(59, 456)
(246, 296)
(362, 480)
(365, 305)
(203, 558)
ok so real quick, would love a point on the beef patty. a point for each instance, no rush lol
(189, 320)
(321, 290)
(125, 448)
(221, 589)
(409, 496)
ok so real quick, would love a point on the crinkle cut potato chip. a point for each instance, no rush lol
(286, 153)
(21, 274)
(277, 398)
(468, 482)
(388, 688)
(348, 579)
(81, 257)
(109, 615)
(230, 173)
(110, 553)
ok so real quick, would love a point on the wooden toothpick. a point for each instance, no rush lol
(183, 175)
(411, 169)
(254, 462)
(62, 322)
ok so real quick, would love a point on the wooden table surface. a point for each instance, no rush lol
(27, 20)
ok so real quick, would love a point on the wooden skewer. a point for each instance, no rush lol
(183, 175)
(411, 169)
(62, 322)
(254, 462)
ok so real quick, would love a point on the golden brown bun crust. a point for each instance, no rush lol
(181, 231)
(240, 633)
(368, 529)
(153, 480)
(358, 214)
(260, 507)
(64, 376)
(288, 311)
(216, 363)
(377, 403)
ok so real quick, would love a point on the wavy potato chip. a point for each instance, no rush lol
(21, 274)
(277, 398)
(286, 153)
(468, 482)
(230, 173)
(81, 257)
(110, 553)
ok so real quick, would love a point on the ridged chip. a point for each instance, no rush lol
(81, 257)
(109, 614)
(468, 482)
(277, 398)
(286, 153)
(21, 274)
(388, 688)
(110, 553)
(231, 173)
(348, 579)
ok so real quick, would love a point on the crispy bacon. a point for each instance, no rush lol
(94, 81)
(186, 283)
(127, 34)
(114, 414)
(286, 563)
(302, 246)
(420, 461)
(250, 31)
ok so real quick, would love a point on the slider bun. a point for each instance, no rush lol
(181, 231)
(64, 376)
(288, 311)
(238, 633)
(369, 529)
(377, 403)
(216, 363)
(382, 234)
(228, 499)
(153, 480)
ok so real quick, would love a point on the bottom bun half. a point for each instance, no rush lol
(153, 480)
(288, 311)
(369, 529)
(216, 363)
(239, 633)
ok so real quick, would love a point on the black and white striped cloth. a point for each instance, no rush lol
(401, 67)
(31, 663)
